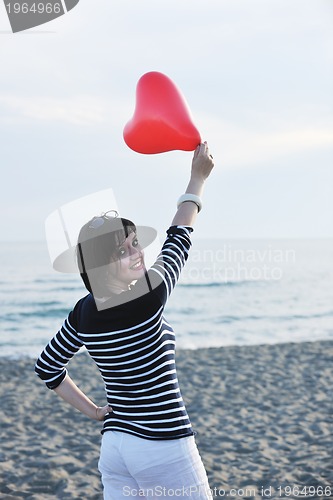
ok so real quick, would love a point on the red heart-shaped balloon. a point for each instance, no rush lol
(162, 119)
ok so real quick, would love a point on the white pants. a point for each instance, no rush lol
(133, 467)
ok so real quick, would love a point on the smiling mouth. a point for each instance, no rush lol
(138, 265)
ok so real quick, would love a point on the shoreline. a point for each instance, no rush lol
(262, 415)
(29, 357)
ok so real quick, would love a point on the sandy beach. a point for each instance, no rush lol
(263, 416)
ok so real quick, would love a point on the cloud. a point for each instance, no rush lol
(78, 110)
(241, 147)
(238, 145)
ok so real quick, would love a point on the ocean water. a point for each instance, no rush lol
(232, 292)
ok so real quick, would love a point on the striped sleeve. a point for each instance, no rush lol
(51, 364)
(166, 270)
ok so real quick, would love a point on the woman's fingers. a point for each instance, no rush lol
(196, 151)
(102, 411)
(203, 149)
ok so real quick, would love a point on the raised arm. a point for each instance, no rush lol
(165, 272)
(202, 165)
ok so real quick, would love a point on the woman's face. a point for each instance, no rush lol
(130, 264)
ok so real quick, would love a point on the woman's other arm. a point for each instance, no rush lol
(70, 393)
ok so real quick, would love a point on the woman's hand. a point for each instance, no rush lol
(202, 163)
(102, 411)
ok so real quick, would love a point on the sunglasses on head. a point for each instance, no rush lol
(100, 219)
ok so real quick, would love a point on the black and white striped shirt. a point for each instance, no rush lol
(134, 348)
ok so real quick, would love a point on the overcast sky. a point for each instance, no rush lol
(257, 76)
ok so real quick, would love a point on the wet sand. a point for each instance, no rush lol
(263, 416)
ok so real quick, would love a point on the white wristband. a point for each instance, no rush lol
(190, 197)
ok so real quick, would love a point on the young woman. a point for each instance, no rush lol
(148, 448)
